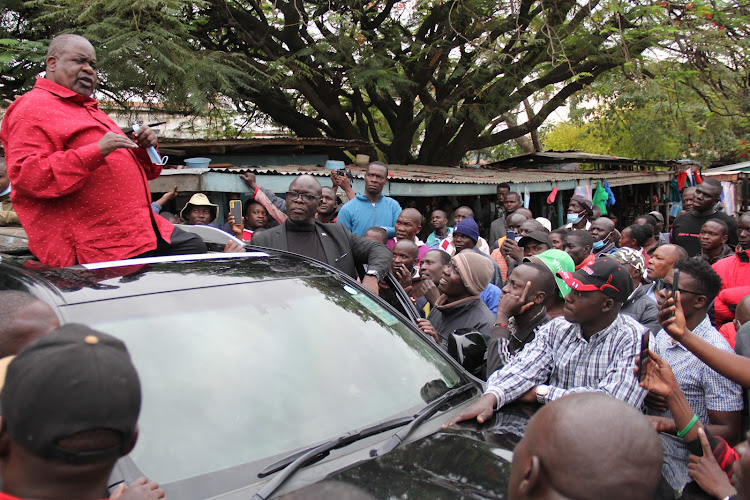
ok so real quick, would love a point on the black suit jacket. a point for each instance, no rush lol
(345, 251)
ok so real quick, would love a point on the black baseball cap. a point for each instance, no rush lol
(539, 236)
(72, 380)
(605, 275)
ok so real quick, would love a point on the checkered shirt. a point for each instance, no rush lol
(704, 389)
(561, 357)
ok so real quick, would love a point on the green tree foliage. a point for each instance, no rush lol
(654, 117)
(709, 43)
(425, 80)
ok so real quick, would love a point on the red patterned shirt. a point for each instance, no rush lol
(76, 205)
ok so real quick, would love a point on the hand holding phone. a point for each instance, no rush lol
(675, 286)
(235, 208)
(644, 353)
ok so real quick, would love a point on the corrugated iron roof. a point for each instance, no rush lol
(547, 157)
(453, 175)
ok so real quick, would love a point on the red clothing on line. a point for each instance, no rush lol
(76, 205)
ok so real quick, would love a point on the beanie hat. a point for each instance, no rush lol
(475, 270)
(468, 227)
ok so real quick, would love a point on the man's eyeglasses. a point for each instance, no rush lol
(663, 285)
(307, 198)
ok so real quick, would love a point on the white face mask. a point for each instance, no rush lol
(7, 190)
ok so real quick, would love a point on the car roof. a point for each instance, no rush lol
(110, 280)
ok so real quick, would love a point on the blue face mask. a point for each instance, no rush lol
(598, 245)
(7, 191)
(574, 218)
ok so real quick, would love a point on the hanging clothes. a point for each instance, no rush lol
(611, 200)
(600, 198)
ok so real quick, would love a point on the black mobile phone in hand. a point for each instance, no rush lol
(511, 235)
(675, 286)
(644, 353)
(235, 208)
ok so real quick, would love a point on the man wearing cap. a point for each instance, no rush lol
(592, 348)
(459, 215)
(659, 227)
(459, 305)
(639, 306)
(199, 211)
(535, 243)
(520, 314)
(557, 262)
(580, 210)
(80, 185)
(70, 408)
(602, 230)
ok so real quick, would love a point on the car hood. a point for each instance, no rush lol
(461, 462)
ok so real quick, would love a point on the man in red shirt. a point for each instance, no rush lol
(80, 185)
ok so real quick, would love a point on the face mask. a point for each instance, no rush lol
(598, 245)
(574, 218)
(7, 191)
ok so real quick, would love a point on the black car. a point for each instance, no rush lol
(266, 372)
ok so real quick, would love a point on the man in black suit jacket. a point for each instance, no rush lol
(331, 243)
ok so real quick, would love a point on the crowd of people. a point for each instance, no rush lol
(604, 324)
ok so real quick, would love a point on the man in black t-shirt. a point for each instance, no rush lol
(687, 227)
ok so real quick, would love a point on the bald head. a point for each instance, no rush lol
(742, 313)
(61, 43)
(573, 444)
(462, 213)
(525, 212)
(71, 63)
(299, 209)
(24, 318)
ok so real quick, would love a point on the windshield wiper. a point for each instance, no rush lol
(300, 459)
(421, 416)
(294, 462)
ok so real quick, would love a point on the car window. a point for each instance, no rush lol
(232, 374)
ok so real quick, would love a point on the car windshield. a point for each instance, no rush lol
(232, 374)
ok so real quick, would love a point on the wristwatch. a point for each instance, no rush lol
(373, 272)
(541, 393)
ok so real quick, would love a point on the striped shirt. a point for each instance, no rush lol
(561, 357)
(704, 389)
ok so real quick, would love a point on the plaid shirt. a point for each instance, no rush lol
(704, 389)
(560, 354)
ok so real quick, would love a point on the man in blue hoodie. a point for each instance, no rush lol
(371, 208)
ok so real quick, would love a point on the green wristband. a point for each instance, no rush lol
(689, 426)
